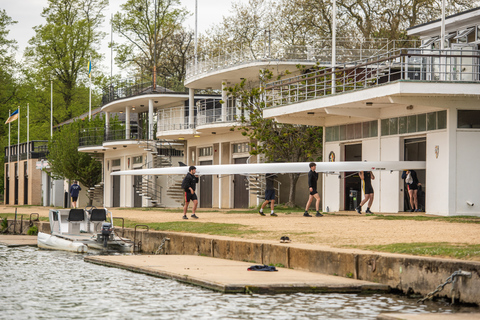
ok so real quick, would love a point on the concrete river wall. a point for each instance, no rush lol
(404, 273)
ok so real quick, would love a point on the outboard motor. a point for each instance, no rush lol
(106, 232)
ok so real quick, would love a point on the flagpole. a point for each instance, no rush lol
(9, 127)
(51, 108)
(18, 139)
(334, 44)
(90, 92)
(28, 133)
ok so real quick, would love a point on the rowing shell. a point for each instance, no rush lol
(285, 167)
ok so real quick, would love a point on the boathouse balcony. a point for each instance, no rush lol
(350, 84)
(208, 71)
(35, 149)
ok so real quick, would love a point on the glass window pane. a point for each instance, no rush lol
(468, 119)
(328, 134)
(432, 121)
(358, 131)
(350, 131)
(421, 122)
(343, 132)
(412, 124)
(441, 119)
(402, 125)
(385, 127)
(336, 133)
(366, 129)
(393, 125)
(373, 129)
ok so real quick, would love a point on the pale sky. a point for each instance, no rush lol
(28, 15)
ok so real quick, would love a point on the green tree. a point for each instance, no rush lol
(146, 44)
(65, 160)
(8, 83)
(62, 47)
(275, 141)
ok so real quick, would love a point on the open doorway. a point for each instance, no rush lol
(353, 184)
(415, 150)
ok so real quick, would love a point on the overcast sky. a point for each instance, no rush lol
(28, 15)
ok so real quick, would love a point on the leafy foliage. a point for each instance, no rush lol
(277, 142)
(63, 46)
(65, 160)
(153, 35)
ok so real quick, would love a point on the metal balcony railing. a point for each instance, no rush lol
(450, 65)
(347, 49)
(175, 118)
(97, 136)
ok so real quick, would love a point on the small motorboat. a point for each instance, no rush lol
(80, 230)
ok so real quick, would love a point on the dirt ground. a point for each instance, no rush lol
(335, 230)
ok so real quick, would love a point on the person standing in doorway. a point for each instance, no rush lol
(269, 194)
(188, 185)
(411, 179)
(74, 191)
(312, 186)
(367, 177)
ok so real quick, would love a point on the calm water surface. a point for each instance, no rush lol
(39, 284)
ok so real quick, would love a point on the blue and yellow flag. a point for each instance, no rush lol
(90, 68)
(13, 117)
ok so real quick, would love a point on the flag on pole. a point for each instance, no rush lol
(13, 117)
(90, 68)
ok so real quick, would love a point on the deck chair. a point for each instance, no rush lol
(97, 217)
(75, 218)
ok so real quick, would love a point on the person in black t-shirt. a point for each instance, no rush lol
(269, 194)
(312, 186)
(367, 177)
(188, 185)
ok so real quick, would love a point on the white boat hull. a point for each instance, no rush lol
(52, 242)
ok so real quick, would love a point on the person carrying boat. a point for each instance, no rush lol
(188, 185)
(74, 191)
(367, 177)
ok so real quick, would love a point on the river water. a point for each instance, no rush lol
(40, 284)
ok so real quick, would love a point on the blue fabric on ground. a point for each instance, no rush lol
(264, 267)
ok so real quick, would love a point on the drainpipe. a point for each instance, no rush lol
(224, 104)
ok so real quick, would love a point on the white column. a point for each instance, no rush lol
(127, 123)
(107, 123)
(191, 106)
(451, 173)
(220, 179)
(150, 119)
(224, 98)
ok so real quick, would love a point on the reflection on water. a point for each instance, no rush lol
(38, 284)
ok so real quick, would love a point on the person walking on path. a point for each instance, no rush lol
(367, 177)
(312, 186)
(411, 179)
(188, 185)
(74, 191)
(269, 194)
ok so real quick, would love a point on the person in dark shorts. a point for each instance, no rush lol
(74, 191)
(269, 194)
(312, 187)
(188, 185)
(411, 179)
(367, 177)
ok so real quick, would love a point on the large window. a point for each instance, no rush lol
(468, 119)
(353, 131)
(415, 123)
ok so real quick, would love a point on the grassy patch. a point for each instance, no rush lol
(221, 229)
(278, 209)
(437, 249)
(456, 219)
(178, 210)
(11, 216)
